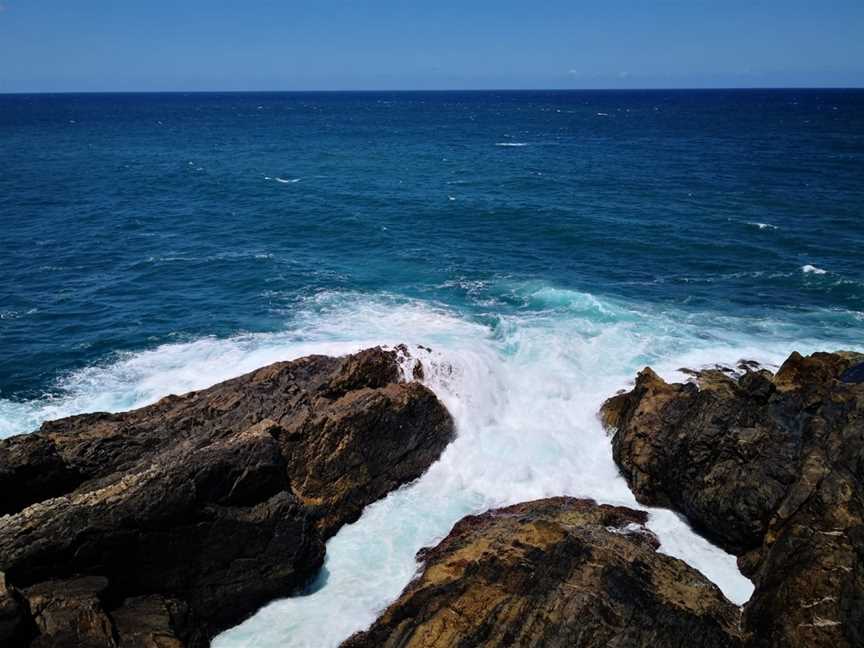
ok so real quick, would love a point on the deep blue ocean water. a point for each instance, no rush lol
(132, 220)
(546, 244)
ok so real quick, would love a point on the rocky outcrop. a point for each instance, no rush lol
(163, 525)
(555, 572)
(771, 467)
(14, 619)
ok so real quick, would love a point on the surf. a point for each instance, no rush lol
(524, 386)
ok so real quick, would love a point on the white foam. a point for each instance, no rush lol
(763, 226)
(524, 392)
(810, 269)
(136, 379)
(511, 144)
(525, 396)
(287, 180)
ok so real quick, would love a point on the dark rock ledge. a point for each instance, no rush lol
(771, 467)
(161, 526)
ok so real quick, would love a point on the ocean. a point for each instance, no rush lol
(544, 245)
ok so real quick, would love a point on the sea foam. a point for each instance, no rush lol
(524, 389)
(525, 394)
(811, 269)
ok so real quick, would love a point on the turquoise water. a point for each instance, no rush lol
(545, 245)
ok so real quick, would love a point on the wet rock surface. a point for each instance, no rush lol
(164, 525)
(554, 572)
(771, 467)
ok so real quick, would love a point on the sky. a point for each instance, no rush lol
(189, 45)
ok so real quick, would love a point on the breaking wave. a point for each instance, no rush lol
(523, 387)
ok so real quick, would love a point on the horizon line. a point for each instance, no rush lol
(440, 90)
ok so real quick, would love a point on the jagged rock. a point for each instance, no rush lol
(555, 572)
(155, 622)
(15, 627)
(770, 467)
(213, 502)
(726, 484)
(70, 613)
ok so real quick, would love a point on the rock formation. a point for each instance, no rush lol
(157, 528)
(163, 525)
(771, 467)
(14, 626)
(555, 572)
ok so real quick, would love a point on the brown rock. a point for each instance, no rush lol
(674, 446)
(213, 502)
(154, 622)
(15, 623)
(70, 613)
(772, 468)
(555, 572)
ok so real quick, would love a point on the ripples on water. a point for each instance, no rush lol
(160, 243)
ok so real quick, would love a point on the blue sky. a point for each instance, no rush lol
(96, 45)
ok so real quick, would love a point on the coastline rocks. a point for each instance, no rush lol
(164, 525)
(13, 615)
(771, 467)
(70, 613)
(554, 572)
